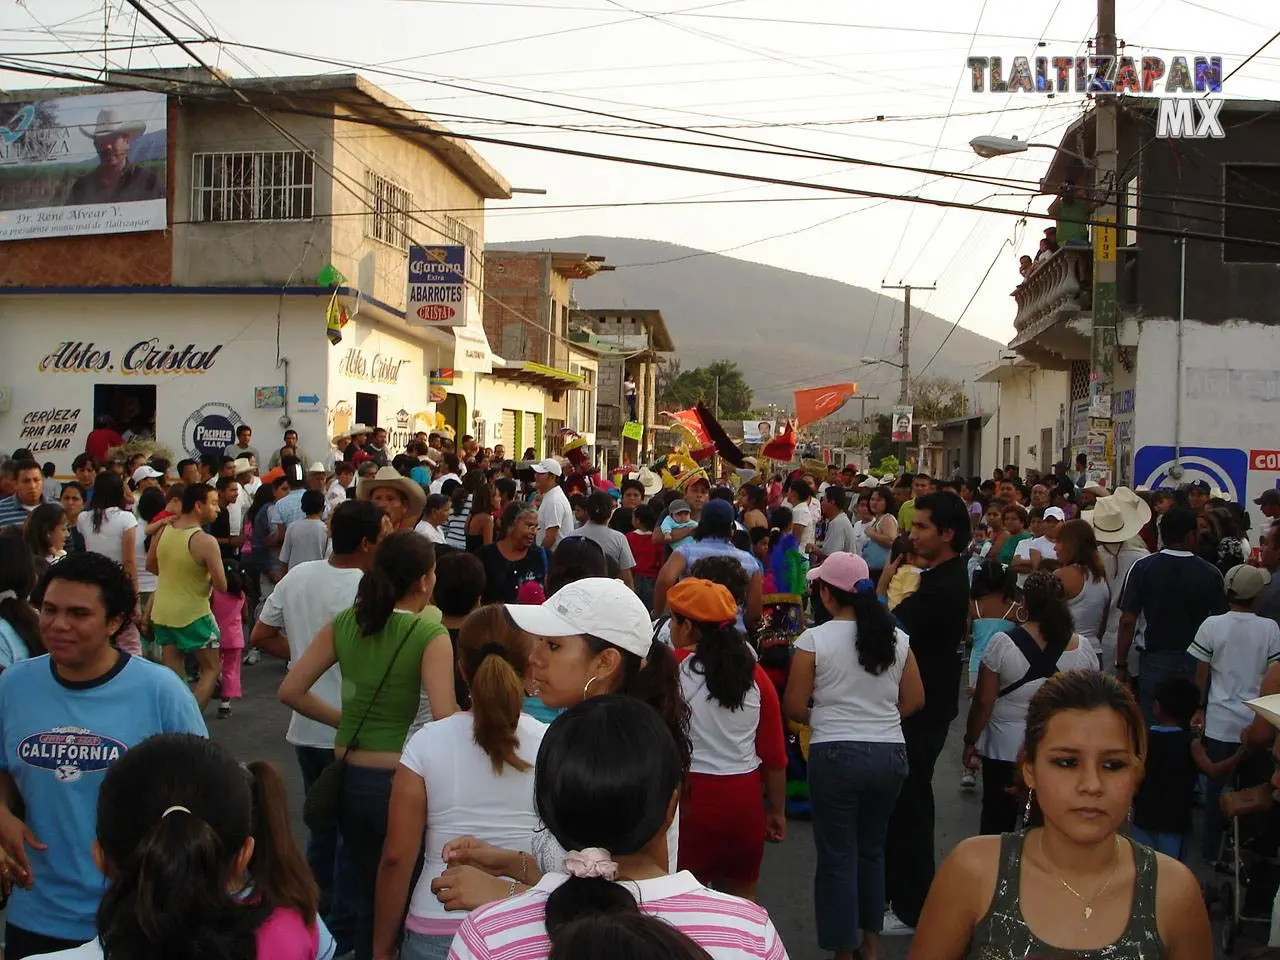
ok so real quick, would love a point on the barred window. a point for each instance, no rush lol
(459, 232)
(255, 185)
(388, 221)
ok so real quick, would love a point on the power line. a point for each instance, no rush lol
(957, 320)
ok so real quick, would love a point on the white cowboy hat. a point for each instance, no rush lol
(242, 465)
(1119, 517)
(109, 124)
(317, 467)
(357, 429)
(1268, 708)
(651, 482)
(870, 483)
(391, 477)
(339, 437)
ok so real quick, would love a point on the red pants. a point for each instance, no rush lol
(722, 827)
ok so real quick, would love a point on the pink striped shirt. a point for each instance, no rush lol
(726, 927)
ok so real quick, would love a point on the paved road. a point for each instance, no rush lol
(257, 731)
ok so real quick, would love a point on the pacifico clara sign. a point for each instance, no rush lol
(146, 358)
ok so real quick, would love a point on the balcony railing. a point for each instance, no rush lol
(1055, 283)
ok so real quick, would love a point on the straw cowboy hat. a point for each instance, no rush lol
(109, 124)
(391, 477)
(1119, 517)
(1268, 708)
(651, 482)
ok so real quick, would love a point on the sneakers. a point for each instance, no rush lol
(224, 709)
(252, 657)
(893, 927)
(968, 782)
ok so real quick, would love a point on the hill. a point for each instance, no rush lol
(780, 326)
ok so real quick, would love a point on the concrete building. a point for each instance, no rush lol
(551, 380)
(1195, 390)
(628, 344)
(208, 308)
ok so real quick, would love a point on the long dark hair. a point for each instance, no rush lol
(779, 519)
(108, 492)
(265, 496)
(607, 773)
(876, 640)
(18, 573)
(575, 558)
(722, 659)
(623, 936)
(1046, 601)
(279, 870)
(402, 558)
(992, 577)
(40, 526)
(1081, 545)
(656, 681)
(173, 814)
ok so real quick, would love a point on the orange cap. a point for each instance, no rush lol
(271, 476)
(703, 601)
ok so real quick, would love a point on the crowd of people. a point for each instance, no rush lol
(537, 712)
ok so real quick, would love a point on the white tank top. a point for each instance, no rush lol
(1088, 607)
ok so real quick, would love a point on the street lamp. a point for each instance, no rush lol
(989, 146)
(535, 191)
(891, 363)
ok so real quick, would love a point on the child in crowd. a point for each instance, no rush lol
(579, 504)
(649, 556)
(905, 578)
(306, 539)
(1175, 760)
(680, 517)
(993, 599)
(760, 544)
(228, 610)
(979, 547)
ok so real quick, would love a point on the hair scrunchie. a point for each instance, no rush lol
(590, 863)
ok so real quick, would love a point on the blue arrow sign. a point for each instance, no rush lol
(312, 399)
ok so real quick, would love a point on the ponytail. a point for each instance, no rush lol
(279, 871)
(876, 641)
(656, 681)
(402, 558)
(493, 656)
(171, 892)
(722, 659)
(18, 576)
(581, 897)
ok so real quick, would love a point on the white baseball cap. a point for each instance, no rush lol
(1055, 513)
(550, 465)
(599, 606)
(317, 467)
(146, 472)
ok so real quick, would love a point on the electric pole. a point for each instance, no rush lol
(1105, 310)
(904, 381)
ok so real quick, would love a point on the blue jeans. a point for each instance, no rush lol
(1170, 844)
(419, 946)
(1157, 666)
(853, 787)
(326, 856)
(362, 821)
(1214, 821)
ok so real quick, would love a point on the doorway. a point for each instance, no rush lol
(131, 408)
(367, 409)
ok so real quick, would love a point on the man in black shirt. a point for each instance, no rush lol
(1175, 591)
(229, 541)
(935, 617)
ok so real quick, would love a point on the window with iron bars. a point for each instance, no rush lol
(388, 220)
(459, 232)
(253, 185)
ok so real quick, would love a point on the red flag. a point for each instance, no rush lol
(689, 421)
(812, 405)
(781, 447)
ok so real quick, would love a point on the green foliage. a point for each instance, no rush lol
(683, 388)
(889, 467)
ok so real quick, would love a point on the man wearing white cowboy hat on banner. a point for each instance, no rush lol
(400, 498)
(1117, 521)
(115, 180)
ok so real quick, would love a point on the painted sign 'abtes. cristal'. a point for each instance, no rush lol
(146, 358)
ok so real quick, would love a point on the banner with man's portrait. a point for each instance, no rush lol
(74, 166)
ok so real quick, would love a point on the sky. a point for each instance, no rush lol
(804, 77)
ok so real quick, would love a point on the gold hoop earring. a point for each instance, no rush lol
(1020, 614)
(588, 687)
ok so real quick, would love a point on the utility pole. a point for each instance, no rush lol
(862, 424)
(1105, 309)
(904, 381)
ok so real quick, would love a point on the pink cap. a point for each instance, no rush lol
(842, 571)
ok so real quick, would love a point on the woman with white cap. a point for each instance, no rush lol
(592, 637)
(607, 786)
(1117, 523)
(852, 680)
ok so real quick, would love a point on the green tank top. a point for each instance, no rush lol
(1003, 933)
(364, 659)
(182, 588)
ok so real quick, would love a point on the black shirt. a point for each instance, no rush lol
(935, 617)
(135, 183)
(221, 527)
(1176, 591)
(502, 577)
(1163, 801)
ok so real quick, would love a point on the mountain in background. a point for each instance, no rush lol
(779, 326)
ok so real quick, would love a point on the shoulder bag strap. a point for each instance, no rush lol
(1041, 664)
(352, 744)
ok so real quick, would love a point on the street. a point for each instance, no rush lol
(256, 730)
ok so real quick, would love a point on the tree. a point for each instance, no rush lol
(937, 398)
(683, 388)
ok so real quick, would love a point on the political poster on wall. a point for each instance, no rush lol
(901, 423)
(72, 166)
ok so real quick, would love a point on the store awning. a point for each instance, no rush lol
(538, 375)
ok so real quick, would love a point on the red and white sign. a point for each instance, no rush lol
(1264, 460)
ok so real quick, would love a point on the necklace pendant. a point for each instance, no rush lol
(1088, 912)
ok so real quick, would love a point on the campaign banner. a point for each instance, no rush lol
(77, 166)
(437, 286)
(901, 422)
(758, 431)
(814, 404)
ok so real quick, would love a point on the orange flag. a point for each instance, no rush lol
(812, 405)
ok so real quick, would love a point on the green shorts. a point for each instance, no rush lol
(199, 634)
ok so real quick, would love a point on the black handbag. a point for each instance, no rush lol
(320, 806)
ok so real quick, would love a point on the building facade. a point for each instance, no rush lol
(275, 221)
